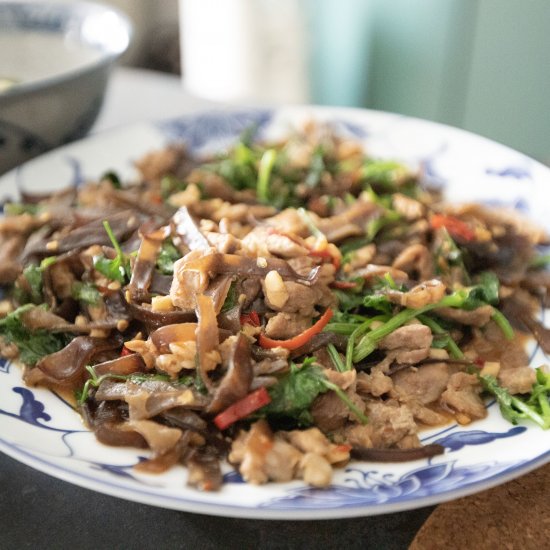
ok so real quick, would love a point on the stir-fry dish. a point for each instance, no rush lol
(283, 307)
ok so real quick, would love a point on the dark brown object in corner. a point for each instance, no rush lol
(514, 515)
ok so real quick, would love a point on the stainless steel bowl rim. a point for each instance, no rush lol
(106, 58)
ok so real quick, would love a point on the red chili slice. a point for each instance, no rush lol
(299, 340)
(242, 408)
(327, 254)
(343, 285)
(251, 318)
(455, 226)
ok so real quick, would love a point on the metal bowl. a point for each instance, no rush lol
(55, 60)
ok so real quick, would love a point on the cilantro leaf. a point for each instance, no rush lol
(348, 301)
(231, 300)
(170, 185)
(86, 292)
(293, 395)
(378, 301)
(33, 275)
(484, 292)
(167, 256)
(112, 177)
(32, 345)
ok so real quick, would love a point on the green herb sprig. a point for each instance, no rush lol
(117, 269)
(514, 408)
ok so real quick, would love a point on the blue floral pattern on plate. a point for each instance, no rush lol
(212, 127)
(369, 487)
(41, 429)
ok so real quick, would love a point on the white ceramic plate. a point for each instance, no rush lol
(39, 429)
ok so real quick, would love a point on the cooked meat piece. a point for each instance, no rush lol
(187, 284)
(361, 257)
(286, 325)
(283, 246)
(349, 223)
(376, 383)
(8, 351)
(249, 288)
(357, 435)
(329, 412)
(388, 424)
(223, 243)
(160, 439)
(478, 317)
(302, 299)
(409, 208)
(490, 345)
(316, 470)
(373, 272)
(417, 231)
(309, 441)
(157, 164)
(410, 356)
(263, 238)
(62, 279)
(410, 337)
(428, 292)
(249, 450)
(386, 363)
(20, 224)
(416, 260)
(289, 221)
(409, 442)
(303, 264)
(424, 384)
(517, 380)
(215, 185)
(343, 380)
(282, 460)
(262, 456)
(428, 416)
(463, 395)
(240, 212)
(387, 251)
(537, 281)
(322, 356)
(10, 267)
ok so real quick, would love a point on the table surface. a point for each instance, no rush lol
(39, 511)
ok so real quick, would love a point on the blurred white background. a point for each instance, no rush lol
(482, 65)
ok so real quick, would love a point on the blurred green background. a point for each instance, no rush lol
(482, 65)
